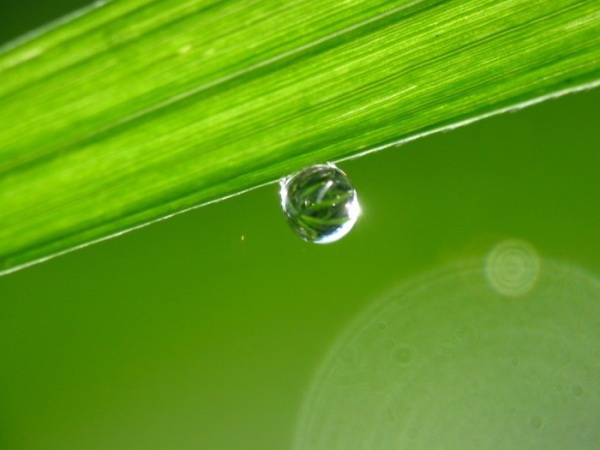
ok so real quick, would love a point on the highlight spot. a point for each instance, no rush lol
(512, 268)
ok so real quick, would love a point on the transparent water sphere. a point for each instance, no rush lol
(319, 203)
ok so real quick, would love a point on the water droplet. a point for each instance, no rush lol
(577, 391)
(320, 204)
(381, 326)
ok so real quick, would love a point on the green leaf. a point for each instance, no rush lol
(135, 110)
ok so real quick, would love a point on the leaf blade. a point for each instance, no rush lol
(119, 157)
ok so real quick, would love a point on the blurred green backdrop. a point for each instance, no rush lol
(207, 330)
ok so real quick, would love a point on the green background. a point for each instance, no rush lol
(206, 330)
